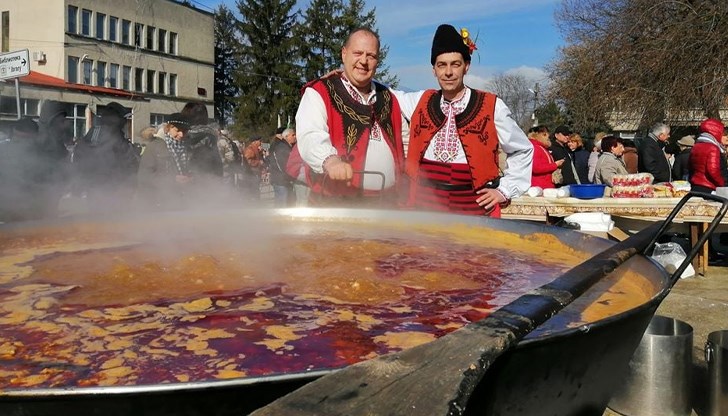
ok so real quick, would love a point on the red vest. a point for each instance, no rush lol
(476, 130)
(349, 124)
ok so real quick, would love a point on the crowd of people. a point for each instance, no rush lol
(562, 159)
(186, 162)
(356, 143)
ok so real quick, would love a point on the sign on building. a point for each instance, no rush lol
(14, 64)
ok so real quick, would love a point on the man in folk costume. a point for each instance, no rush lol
(347, 123)
(452, 159)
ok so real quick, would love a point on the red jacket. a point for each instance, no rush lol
(543, 166)
(706, 164)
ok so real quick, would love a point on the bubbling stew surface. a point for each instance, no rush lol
(98, 306)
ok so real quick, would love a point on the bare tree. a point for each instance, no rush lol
(646, 59)
(516, 92)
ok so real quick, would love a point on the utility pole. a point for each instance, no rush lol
(535, 92)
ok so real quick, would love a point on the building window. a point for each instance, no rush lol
(162, 40)
(86, 22)
(28, 106)
(172, 43)
(101, 74)
(125, 29)
(150, 81)
(162, 83)
(100, 25)
(138, 29)
(5, 47)
(138, 80)
(114, 75)
(156, 120)
(72, 19)
(151, 33)
(73, 69)
(113, 27)
(173, 84)
(126, 78)
(87, 71)
(77, 114)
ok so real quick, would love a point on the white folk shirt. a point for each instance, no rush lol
(314, 141)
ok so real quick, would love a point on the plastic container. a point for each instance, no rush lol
(587, 191)
(658, 381)
(716, 356)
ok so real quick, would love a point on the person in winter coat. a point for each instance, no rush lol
(543, 163)
(164, 173)
(105, 163)
(652, 158)
(708, 166)
(610, 163)
(560, 151)
(594, 155)
(280, 151)
(580, 156)
(681, 167)
(631, 156)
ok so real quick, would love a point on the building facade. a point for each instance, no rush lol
(151, 56)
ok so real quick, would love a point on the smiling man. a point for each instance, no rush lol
(347, 123)
(455, 132)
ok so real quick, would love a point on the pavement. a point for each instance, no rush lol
(702, 302)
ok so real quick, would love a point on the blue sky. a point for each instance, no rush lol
(514, 36)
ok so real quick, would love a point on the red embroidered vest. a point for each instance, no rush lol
(476, 130)
(349, 124)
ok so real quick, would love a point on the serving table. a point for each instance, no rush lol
(630, 213)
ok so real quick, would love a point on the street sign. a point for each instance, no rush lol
(14, 64)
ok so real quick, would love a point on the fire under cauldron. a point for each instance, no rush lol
(570, 366)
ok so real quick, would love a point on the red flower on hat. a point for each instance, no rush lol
(470, 43)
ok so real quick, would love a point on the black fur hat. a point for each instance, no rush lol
(448, 39)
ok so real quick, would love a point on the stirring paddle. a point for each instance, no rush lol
(438, 378)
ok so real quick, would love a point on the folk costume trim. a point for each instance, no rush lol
(475, 128)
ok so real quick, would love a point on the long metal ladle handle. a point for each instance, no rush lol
(703, 238)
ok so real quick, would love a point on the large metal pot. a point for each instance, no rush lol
(555, 370)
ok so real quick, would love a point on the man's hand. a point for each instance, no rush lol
(338, 170)
(489, 198)
(559, 162)
(331, 73)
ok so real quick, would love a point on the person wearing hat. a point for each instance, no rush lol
(680, 169)
(707, 164)
(452, 158)
(105, 162)
(652, 158)
(164, 172)
(561, 151)
(347, 123)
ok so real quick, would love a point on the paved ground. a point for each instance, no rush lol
(702, 302)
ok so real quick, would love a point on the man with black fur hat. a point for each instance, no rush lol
(452, 159)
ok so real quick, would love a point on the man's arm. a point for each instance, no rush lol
(407, 103)
(519, 153)
(312, 131)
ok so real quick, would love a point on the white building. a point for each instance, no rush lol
(151, 56)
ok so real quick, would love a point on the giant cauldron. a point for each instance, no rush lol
(169, 315)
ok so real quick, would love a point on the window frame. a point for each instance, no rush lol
(100, 23)
(72, 75)
(72, 19)
(86, 17)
